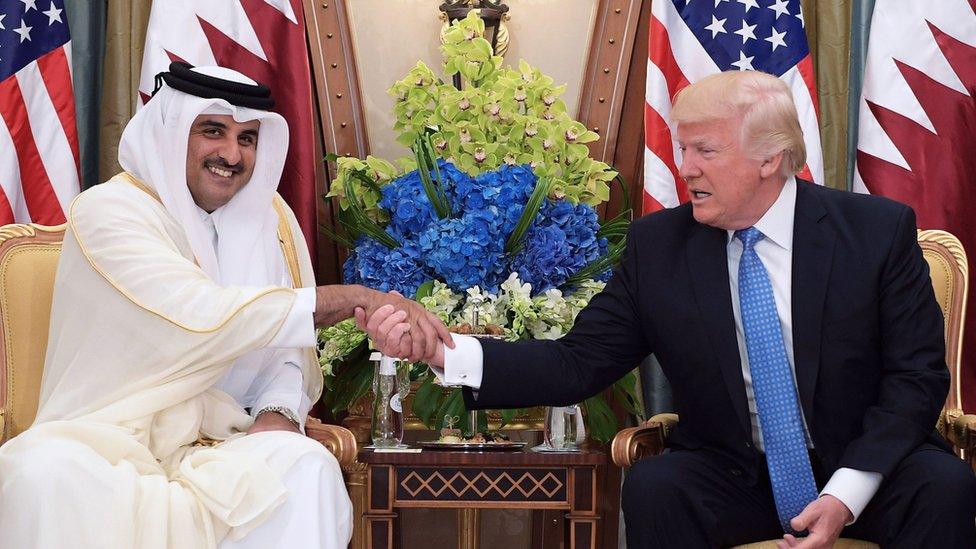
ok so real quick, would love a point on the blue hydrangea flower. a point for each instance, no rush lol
(374, 265)
(466, 251)
(410, 209)
(507, 189)
(467, 248)
(562, 241)
(349, 273)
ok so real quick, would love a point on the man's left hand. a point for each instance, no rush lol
(272, 421)
(824, 518)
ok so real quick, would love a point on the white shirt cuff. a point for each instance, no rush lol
(464, 364)
(298, 329)
(285, 389)
(853, 488)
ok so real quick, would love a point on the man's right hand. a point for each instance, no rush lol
(390, 331)
(422, 331)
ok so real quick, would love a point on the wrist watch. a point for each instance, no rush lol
(284, 411)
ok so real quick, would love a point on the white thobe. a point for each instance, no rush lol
(140, 338)
(309, 516)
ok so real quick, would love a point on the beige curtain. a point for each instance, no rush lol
(828, 32)
(125, 37)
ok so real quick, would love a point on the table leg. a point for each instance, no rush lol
(382, 526)
(469, 528)
(608, 504)
(582, 517)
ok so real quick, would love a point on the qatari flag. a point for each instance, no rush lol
(917, 125)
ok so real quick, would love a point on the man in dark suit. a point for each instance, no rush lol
(799, 331)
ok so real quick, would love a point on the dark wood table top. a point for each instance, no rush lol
(495, 458)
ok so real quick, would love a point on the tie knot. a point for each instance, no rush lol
(749, 236)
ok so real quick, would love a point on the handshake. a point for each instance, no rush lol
(399, 327)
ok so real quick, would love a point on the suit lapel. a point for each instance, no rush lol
(813, 248)
(708, 263)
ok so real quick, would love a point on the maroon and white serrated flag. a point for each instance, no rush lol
(917, 125)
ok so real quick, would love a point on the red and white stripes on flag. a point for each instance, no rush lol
(39, 162)
(691, 40)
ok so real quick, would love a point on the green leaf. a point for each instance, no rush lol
(600, 419)
(516, 240)
(336, 237)
(424, 151)
(367, 181)
(347, 226)
(424, 290)
(363, 223)
(597, 266)
(356, 382)
(625, 392)
(427, 400)
(452, 406)
(431, 156)
(344, 371)
(625, 192)
(616, 227)
(508, 415)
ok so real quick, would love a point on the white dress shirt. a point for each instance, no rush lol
(464, 364)
(272, 376)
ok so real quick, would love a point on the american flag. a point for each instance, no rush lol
(691, 39)
(39, 163)
(263, 39)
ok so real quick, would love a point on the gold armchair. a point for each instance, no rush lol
(28, 261)
(950, 279)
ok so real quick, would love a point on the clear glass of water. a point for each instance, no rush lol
(564, 430)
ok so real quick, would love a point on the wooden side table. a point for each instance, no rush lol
(578, 483)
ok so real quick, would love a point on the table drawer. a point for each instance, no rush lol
(537, 487)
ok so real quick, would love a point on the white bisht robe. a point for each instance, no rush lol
(148, 315)
(139, 336)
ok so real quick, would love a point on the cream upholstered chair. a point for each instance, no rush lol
(950, 279)
(28, 261)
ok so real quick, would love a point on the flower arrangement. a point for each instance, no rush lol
(494, 212)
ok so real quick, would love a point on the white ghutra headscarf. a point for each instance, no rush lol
(154, 150)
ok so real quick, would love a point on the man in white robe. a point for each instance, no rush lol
(181, 357)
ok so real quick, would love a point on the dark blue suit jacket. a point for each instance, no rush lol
(867, 334)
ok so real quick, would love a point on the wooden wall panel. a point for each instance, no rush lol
(612, 102)
(342, 127)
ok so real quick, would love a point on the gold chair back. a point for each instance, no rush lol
(28, 262)
(950, 280)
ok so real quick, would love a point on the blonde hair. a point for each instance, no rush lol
(764, 105)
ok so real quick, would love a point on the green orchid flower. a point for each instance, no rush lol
(366, 188)
(482, 157)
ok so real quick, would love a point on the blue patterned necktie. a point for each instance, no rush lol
(772, 382)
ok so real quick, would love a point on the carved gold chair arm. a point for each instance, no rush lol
(960, 429)
(3, 420)
(338, 440)
(634, 443)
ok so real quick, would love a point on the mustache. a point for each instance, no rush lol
(223, 165)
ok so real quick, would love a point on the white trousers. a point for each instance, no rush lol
(65, 495)
(316, 515)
